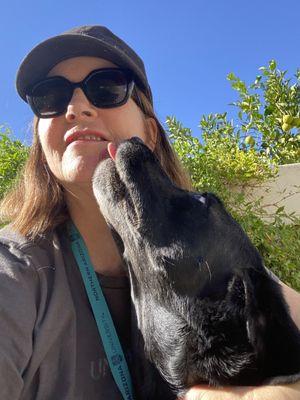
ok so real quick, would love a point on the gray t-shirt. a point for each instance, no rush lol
(50, 348)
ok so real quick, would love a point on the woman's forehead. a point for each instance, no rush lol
(79, 67)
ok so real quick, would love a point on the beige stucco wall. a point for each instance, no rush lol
(283, 190)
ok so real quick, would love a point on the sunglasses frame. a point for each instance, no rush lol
(82, 85)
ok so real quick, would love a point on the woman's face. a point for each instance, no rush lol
(74, 163)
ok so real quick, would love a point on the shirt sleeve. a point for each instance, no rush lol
(19, 285)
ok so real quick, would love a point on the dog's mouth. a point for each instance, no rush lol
(114, 182)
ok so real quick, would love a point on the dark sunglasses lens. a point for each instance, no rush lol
(107, 88)
(51, 97)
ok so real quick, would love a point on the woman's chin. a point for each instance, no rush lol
(80, 169)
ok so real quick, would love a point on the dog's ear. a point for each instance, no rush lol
(255, 312)
(271, 331)
(241, 297)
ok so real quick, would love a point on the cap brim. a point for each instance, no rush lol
(42, 58)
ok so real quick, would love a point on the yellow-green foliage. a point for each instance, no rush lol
(246, 151)
(13, 155)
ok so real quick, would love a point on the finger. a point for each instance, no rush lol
(227, 393)
(284, 392)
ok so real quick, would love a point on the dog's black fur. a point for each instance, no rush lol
(208, 310)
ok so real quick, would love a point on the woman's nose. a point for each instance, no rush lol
(79, 107)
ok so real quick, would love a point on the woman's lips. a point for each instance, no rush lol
(108, 150)
(84, 134)
(87, 141)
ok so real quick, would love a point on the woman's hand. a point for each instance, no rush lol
(280, 392)
(293, 299)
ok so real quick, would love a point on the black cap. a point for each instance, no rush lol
(96, 41)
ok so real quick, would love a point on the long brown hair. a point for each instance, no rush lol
(36, 203)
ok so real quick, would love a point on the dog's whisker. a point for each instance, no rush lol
(208, 268)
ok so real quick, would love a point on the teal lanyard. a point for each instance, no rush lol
(106, 328)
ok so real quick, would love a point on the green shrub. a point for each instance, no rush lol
(13, 155)
(246, 152)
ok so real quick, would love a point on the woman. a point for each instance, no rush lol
(50, 345)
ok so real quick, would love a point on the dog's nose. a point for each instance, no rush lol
(138, 139)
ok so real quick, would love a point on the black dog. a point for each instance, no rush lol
(207, 308)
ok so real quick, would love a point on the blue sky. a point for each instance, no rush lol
(188, 47)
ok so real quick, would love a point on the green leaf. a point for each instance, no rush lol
(231, 77)
(272, 65)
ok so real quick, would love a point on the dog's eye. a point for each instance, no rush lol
(201, 198)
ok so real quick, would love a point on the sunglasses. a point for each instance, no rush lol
(104, 88)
